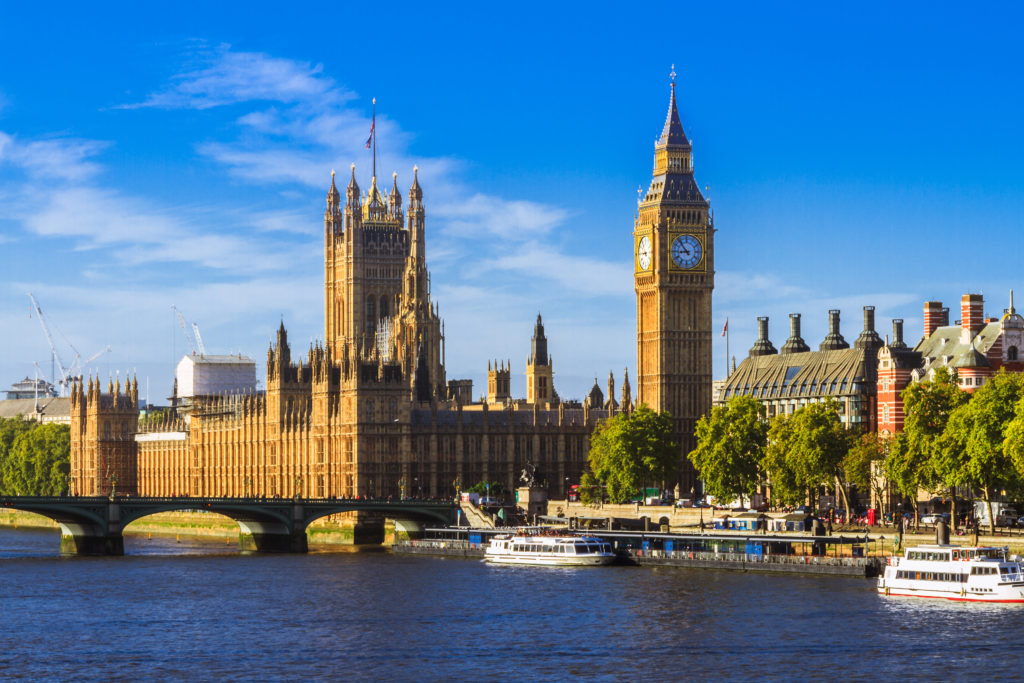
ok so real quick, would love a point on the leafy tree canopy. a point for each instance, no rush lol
(730, 446)
(34, 458)
(497, 490)
(630, 451)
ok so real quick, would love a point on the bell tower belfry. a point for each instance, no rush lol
(673, 265)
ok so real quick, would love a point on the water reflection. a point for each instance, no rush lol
(196, 609)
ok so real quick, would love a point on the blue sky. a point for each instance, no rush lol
(150, 156)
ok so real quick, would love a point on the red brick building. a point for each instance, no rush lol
(974, 347)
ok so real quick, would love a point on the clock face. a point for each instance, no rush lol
(687, 251)
(643, 253)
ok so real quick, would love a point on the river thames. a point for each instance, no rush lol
(200, 611)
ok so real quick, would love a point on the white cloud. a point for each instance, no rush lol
(231, 77)
(485, 216)
(56, 158)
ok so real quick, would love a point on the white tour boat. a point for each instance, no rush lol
(976, 574)
(537, 548)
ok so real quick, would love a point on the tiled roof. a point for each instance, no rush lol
(812, 374)
(945, 346)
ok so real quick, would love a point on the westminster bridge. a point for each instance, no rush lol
(94, 525)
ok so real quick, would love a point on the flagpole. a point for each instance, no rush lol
(727, 348)
(373, 131)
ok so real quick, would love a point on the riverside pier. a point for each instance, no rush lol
(793, 554)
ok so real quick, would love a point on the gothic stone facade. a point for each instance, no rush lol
(370, 411)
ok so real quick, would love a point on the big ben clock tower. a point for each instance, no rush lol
(674, 274)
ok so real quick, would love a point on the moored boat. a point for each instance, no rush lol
(971, 574)
(534, 547)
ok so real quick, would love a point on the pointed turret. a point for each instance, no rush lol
(352, 191)
(672, 135)
(395, 197)
(539, 344)
(333, 196)
(415, 192)
(627, 392)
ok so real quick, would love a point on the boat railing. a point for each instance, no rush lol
(1012, 577)
(751, 558)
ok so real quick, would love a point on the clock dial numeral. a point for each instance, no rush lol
(687, 251)
(643, 253)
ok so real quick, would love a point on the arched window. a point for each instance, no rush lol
(371, 313)
(384, 306)
(1011, 353)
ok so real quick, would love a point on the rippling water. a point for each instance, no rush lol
(195, 610)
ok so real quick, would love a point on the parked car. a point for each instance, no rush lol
(935, 518)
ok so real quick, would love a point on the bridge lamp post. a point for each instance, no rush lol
(246, 482)
(401, 486)
(298, 488)
(416, 486)
(113, 487)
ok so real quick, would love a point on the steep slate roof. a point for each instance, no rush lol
(945, 349)
(804, 375)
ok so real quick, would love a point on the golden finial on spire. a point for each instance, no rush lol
(672, 74)
(332, 174)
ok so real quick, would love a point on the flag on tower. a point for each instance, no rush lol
(369, 140)
(726, 328)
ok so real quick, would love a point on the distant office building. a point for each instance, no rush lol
(31, 388)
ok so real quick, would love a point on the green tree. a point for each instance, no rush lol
(975, 436)
(928, 408)
(863, 463)
(730, 446)
(630, 451)
(37, 461)
(496, 490)
(1013, 444)
(806, 450)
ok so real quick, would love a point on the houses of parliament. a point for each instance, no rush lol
(369, 411)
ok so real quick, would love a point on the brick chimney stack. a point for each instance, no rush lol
(932, 317)
(972, 316)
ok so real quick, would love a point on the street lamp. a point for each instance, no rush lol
(113, 487)
(246, 482)
(298, 488)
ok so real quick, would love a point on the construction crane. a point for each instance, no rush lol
(77, 368)
(64, 371)
(199, 339)
(184, 328)
(197, 344)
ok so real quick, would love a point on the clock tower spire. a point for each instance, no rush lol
(673, 246)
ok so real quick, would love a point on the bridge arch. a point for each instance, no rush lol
(94, 525)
